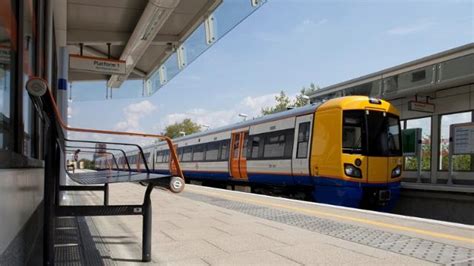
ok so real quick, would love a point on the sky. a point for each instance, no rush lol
(286, 45)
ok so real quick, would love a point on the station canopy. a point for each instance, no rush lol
(113, 41)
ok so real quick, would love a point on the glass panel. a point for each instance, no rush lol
(412, 79)
(367, 89)
(225, 150)
(303, 139)
(410, 161)
(244, 148)
(257, 142)
(212, 151)
(235, 147)
(457, 68)
(353, 132)
(460, 162)
(7, 28)
(29, 53)
(198, 153)
(187, 154)
(274, 146)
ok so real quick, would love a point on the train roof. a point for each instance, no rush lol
(310, 108)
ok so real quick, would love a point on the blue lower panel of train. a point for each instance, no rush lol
(323, 190)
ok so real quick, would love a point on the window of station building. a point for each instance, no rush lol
(303, 140)
(460, 162)
(198, 153)
(366, 89)
(187, 154)
(212, 151)
(29, 63)
(410, 161)
(7, 61)
(278, 144)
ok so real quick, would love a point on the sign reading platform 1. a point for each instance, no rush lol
(462, 136)
(421, 107)
(97, 65)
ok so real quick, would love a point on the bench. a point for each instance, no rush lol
(57, 145)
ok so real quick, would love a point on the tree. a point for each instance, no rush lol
(300, 100)
(282, 104)
(187, 126)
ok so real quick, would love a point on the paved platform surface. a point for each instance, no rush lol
(206, 226)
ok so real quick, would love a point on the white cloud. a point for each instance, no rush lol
(133, 114)
(250, 106)
(408, 29)
(309, 24)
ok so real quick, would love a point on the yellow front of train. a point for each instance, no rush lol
(356, 157)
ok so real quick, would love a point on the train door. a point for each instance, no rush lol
(301, 150)
(237, 158)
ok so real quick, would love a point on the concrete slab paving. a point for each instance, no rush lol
(191, 232)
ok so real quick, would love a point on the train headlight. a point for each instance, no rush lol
(397, 171)
(352, 171)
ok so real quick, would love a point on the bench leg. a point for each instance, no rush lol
(106, 195)
(146, 232)
(50, 179)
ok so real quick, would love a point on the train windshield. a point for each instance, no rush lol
(371, 133)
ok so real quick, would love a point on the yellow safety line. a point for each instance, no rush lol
(345, 217)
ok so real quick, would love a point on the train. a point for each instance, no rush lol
(345, 151)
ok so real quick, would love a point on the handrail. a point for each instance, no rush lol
(106, 132)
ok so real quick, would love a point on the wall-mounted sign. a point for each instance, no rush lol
(421, 107)
(97, 65)
(462, 138)
(5, 54)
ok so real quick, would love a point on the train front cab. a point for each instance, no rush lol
(356, 157)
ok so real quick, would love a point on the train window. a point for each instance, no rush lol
(274, 145)
(180, 154)
(212, 151)
(236, 146)
(147, 156)
(159, 157)
(187, 154)
(224, 155)
(303, 140)
(166, 156)
(198, 153)
(244, 148)
(256, 145)
(353, 131)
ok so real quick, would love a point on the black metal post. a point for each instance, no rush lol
(106, 194)
(49, 195)
(146, 232)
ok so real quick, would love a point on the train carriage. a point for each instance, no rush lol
(345, 151)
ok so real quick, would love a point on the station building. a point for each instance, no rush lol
(113, 41)
(431, 93)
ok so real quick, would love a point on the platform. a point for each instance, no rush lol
(206, 226)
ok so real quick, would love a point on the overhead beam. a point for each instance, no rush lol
(154, 16)
(91, 37)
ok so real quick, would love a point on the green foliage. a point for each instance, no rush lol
(187, 126)
(88, 164)
(300, 100)
(283, 102)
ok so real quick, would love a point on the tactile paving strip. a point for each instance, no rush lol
(406, 245)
